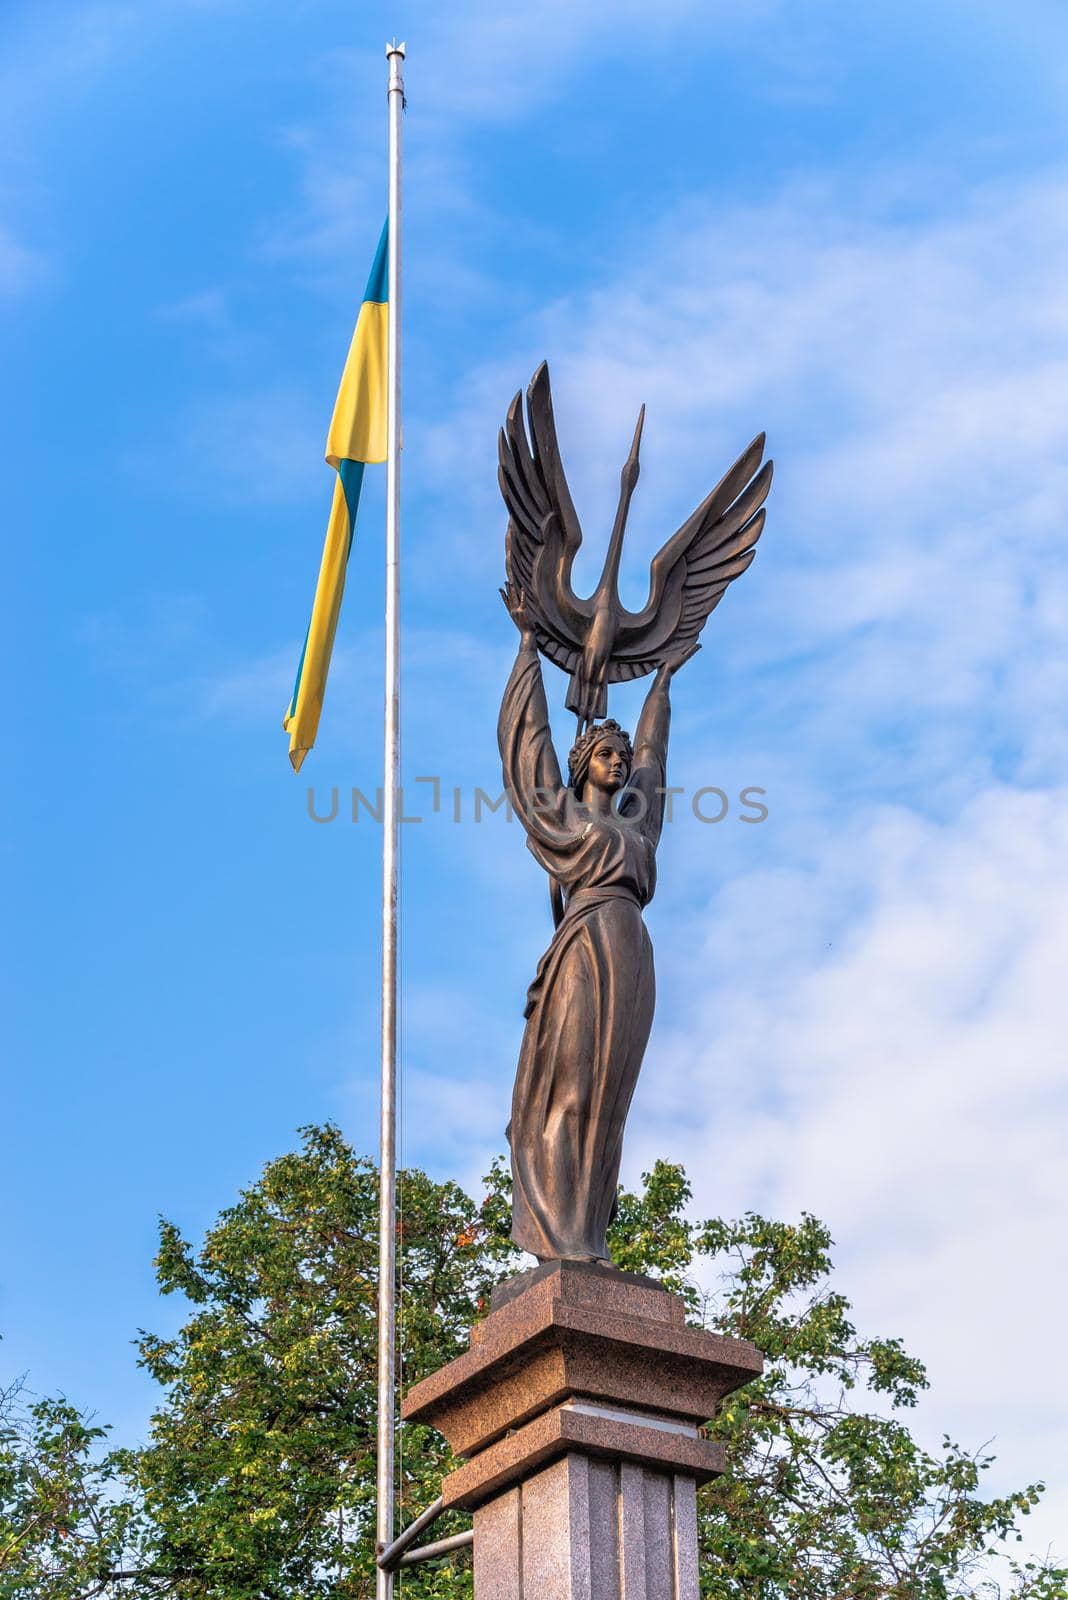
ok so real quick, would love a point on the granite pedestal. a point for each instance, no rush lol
(578, 1413)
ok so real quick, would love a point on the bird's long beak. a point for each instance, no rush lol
(633, 465)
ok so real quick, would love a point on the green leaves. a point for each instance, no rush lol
(650, 1234)
(63, 1529)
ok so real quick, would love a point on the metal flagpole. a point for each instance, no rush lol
(387, 1166)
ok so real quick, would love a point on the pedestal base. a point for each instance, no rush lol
(579, 1409)
(588, 1529)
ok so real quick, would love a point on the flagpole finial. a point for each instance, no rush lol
(395, 49)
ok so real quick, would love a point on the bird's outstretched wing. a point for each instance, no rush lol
(543, 530)
(693, 570)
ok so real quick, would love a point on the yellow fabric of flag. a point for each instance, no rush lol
(357, 435)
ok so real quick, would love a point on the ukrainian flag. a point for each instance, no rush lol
(357, 436)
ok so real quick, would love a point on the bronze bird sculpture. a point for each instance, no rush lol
(597, 641)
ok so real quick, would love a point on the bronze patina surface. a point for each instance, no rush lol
(590, 1007)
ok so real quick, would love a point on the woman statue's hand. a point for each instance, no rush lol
(675, 659)
(515, 603)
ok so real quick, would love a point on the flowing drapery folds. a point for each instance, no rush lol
(357, 437)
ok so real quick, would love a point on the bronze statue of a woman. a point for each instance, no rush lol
(590, 1007)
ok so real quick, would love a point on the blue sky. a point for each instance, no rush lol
(843, 224)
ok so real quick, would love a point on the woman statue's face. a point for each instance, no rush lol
(609, 765)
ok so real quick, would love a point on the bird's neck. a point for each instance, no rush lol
(610, 574)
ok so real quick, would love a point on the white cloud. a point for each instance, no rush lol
(45, 66)
(870, 1025)
(877, 1035)
(264, 447)
(21, 269)
(471, 70)
(207, 309)
(255, 691)
(493, 63)
(909, 376)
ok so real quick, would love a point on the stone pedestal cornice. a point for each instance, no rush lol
(579, 1364)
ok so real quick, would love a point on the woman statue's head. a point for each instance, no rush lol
(600, 757)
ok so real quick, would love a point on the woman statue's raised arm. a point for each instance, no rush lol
(529, 763)
(649, 773)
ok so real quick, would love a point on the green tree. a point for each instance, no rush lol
(257, 1479)
(64, 1531)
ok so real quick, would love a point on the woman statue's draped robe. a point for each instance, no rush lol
(590, 1007)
